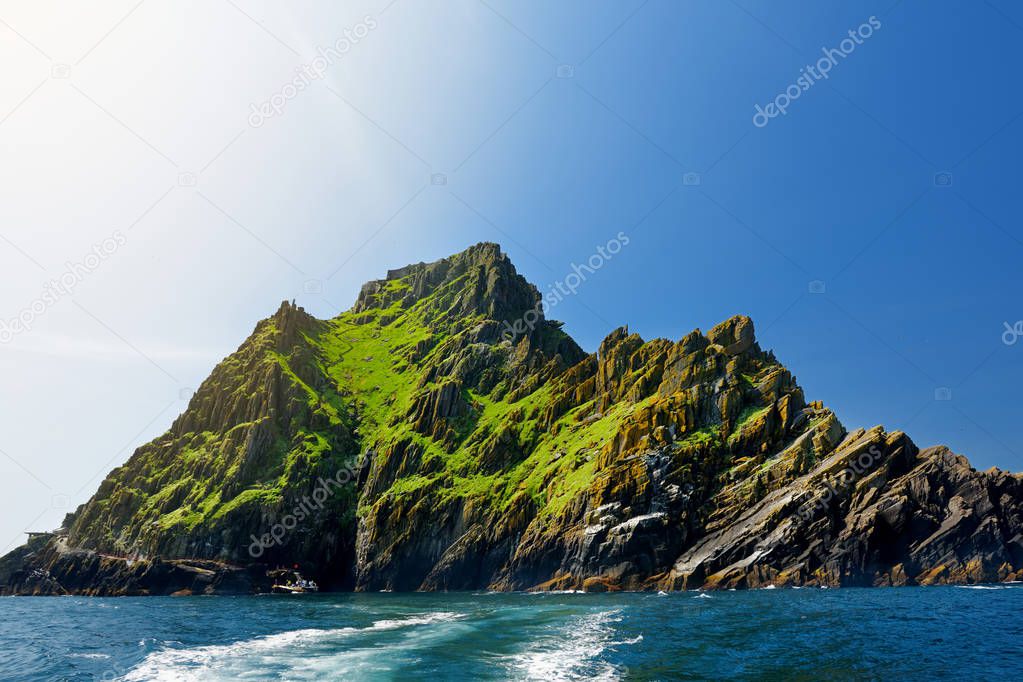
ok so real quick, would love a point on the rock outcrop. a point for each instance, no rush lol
(444, 435)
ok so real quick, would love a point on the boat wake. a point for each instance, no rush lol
(293, 655)
(578, 652)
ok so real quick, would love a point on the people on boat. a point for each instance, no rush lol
(296, 583)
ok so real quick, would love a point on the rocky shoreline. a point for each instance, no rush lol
(53, 569)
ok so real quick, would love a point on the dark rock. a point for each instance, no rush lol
(497, 454)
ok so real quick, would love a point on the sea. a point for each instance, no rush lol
(912, 633)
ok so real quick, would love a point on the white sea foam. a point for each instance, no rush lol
(256, 658)
(575, 653)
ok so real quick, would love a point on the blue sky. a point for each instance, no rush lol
(555, 126)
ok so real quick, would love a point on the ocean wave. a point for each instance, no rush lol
(577, 652)
(248, 657)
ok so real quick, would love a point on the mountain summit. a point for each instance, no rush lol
(443, 435)
(479, 281)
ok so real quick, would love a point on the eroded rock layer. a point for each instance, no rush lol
(443, 435)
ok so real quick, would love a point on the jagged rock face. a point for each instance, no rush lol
(487, 285)
(875, 512)
(475, 445)
(255, 440)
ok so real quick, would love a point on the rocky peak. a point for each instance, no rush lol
(289, 323)
(478, 281)
(735, 335)
(247, 385)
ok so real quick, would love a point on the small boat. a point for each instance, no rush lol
(297, 586)
(292, 589)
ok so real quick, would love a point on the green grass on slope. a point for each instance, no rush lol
(366, 353)
(378, 360)
(748, 420)
(191, 501)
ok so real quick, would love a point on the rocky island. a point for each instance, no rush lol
(428, 439)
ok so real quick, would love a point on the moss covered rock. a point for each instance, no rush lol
(442, 434)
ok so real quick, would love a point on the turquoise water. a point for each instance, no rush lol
(807, 634)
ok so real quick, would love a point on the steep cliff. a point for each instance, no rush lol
(442, 434)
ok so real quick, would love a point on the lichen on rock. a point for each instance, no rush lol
(476, 458)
